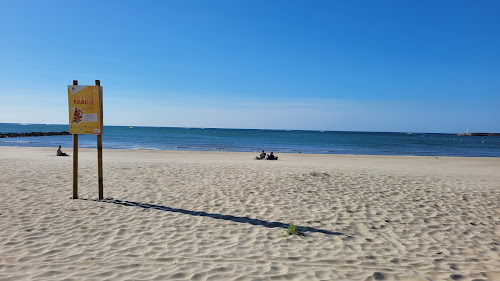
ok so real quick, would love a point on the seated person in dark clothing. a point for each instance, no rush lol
(261, 156)
(60, 153)
(271, 156)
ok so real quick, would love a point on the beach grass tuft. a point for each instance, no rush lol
(294, 229)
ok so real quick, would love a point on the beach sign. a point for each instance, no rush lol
(85, 115)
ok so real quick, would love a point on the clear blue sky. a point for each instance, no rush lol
(412, 66)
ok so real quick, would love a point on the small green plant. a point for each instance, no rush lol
(294, 229)
(313, 174)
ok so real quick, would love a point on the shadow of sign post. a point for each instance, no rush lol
(238, 219)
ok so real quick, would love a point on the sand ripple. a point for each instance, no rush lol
(210, 218)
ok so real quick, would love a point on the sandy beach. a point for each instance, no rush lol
(190, 215)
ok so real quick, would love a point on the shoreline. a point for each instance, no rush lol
(66, 148)
(449, 165)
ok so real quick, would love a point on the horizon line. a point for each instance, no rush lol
(260, 129)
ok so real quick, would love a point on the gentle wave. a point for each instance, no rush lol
(278, 141)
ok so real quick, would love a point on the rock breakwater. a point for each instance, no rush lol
(33, 134)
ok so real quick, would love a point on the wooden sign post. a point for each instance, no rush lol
(85, 117)
(99, 147)
(75, 160)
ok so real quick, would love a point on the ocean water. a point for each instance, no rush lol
(279, 141)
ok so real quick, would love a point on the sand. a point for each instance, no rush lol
(174, 215)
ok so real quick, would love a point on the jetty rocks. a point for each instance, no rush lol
(33, 134)
(480, 134)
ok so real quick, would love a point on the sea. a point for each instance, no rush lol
(255, 140)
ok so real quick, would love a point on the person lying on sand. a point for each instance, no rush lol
(60, 153)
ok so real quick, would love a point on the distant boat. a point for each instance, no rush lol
(130, 127)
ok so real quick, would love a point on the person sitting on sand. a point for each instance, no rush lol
(261, 156)
(271, 156)
(60, 153)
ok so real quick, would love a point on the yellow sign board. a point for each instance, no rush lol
(85, 109)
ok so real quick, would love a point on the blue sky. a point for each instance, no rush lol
(412, 66)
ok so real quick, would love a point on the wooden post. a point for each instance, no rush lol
(99, 147)
(75, 160)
